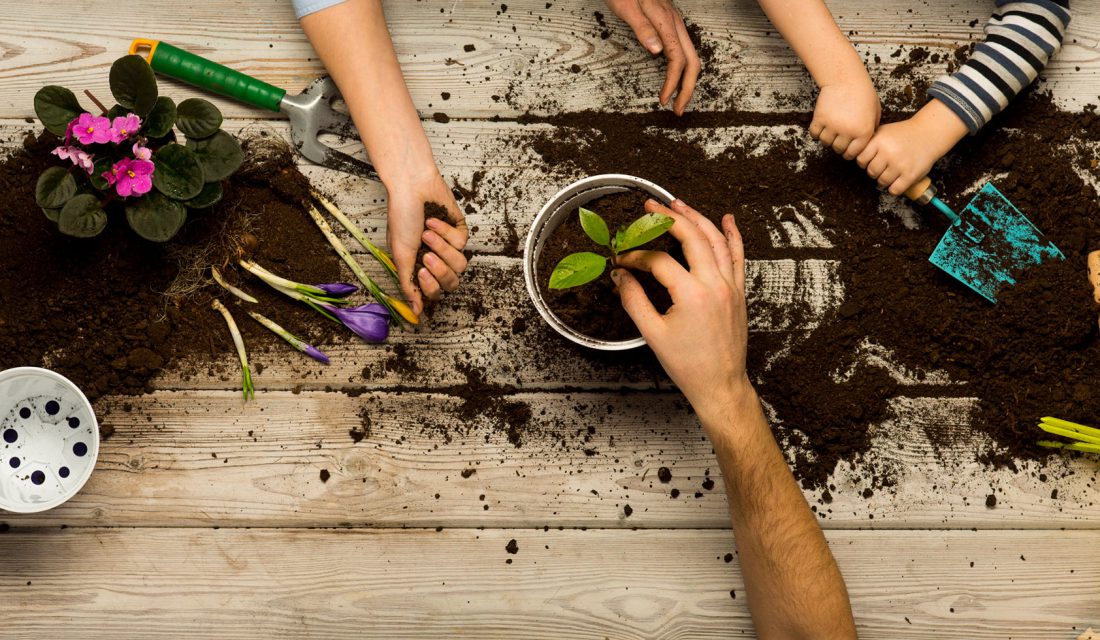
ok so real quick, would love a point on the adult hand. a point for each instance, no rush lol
(407, 229)
(701, 340)
(901, 153)
(846, 115)
(660, 28)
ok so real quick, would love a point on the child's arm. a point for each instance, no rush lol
(847, 109)
(352, 40)
(1019, 40)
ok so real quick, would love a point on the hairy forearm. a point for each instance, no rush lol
(354, 44)
(810, 30)
(794, 587)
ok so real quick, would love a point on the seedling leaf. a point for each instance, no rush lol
(595, 227)
(643, 230)
(577, 269)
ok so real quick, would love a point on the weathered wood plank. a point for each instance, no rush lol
(578, 584)
(206, 459)
(522, 56)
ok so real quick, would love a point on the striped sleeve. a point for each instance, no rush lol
(1019, 40)
(303, 8)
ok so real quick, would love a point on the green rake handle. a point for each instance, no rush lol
(206, 74)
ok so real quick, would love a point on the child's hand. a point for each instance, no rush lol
(846, 115)
(901, 153)
(660, 28)
(407, 230)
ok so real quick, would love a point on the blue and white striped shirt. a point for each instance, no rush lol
(1019, 40)
(305, 7)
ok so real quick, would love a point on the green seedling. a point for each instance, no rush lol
(581, 268)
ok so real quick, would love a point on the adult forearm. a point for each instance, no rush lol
(794, 587)
(811, 32)
(353, 42)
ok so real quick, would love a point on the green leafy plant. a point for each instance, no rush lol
(581, 268)
(127, 158)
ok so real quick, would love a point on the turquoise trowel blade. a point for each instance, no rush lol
(990, 244)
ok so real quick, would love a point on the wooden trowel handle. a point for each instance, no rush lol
(922, 191)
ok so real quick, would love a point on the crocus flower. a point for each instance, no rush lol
(291, 339)
(133, 177)
(370, 322)
(91, 129)
(76, 155)
(123, 127)
(142, 153)
(337, 289)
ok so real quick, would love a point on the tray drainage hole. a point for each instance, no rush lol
(52, 407)
(38, 477)
(14, 462)
(10, 436)
(63, 472)
(74, 423)
(24, 413)
(80, 449)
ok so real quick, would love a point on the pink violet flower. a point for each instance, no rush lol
(91, 129)
(142, 153)
(123, 127)
(131, 177)
(77, 156)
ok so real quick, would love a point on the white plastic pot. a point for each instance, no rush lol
(559, 209)
(49, 439)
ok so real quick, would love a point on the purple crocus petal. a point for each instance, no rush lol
(337, 289)
(365, 321)
(315, 353)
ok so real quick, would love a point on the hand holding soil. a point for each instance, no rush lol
(660, 28)
(445, 239)
(708, 308)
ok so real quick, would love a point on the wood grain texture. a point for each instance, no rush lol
(523, 56)
(204, 459)
(576, 584)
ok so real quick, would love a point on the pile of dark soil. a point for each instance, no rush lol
(594, 309)
(112, 312)
(1030, 355)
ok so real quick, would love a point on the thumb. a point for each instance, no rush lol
(636, 302)
(406, 263)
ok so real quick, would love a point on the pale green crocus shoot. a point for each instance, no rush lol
(248, 389)
(398, 309)
(320, 293)
(381, 256)
(290, 338)
(230, 288)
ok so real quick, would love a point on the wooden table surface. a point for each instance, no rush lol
(208, 516)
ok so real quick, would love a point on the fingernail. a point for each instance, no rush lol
(434, 223)
(615, 276)
(430, 259)
(426, 236)
(654, 45)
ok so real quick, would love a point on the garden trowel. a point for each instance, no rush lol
(311, 112)
(989, 243)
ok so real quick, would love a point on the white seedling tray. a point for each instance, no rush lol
(49, 439)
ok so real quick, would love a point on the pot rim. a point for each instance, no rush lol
(541, 226)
